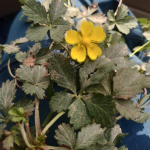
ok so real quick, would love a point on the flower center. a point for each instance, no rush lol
(86, 41)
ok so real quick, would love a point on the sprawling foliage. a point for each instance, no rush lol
(94, 90)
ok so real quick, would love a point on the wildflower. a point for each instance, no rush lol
(86, 41)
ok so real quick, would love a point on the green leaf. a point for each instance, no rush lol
(2, 119)
(129, 110)
(10, 48)
(35, 49)
(62, 72)
(122, 12)
(56, 10)
(8, 142)
(1, 129)
(128, 83)
(65, 135)
(21, 56)
(89, 135)
(57, 32)
(7, 95)
(104, 87)
(43, 55)
(37, 33)
(35, 76)
(50, 90)
(119, 137)
(78, 114)
(123, 148)
(143, 20)
(26, 104)
(22, 1)
(123, 23)
(20, 41)
(147, 35)
(100, 107)
(35, 11)
(61, 101)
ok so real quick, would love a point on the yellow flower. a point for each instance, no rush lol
(86, 41)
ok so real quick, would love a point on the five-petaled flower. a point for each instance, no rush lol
(86, 41)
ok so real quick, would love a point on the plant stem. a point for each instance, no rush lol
(48, 118)
(118, 118)
(21, 126)
(139, 48)
(142, 100)
(52, 122)
(118, 7)
(8, 65)
(6, 132)
(64, 47)
(51, 45)
(37, 117)
(146, 105)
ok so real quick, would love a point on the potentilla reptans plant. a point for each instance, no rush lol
(93, 69)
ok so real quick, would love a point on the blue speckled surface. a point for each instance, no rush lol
(139, 134)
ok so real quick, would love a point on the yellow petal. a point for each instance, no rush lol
(98, 35)
(94, 51)
(72, 37)
(87, 28)
(79, 53)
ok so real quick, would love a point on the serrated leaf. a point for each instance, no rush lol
(61, 101)
(37, 82)
(65, 135)
(100, 107)
(129, 110)
(7, 95)
(89, 135)
(56, 10)
(35, 48)
(122, 12)
(21, 56)
(20, 41)
(128, 83)
(26, 104)
(43, 55)
(123, 148)
(111, 15)
(37, 33)
(143, 117)
(10, 48)
(119, 137)
(57, 32)
(147, 35)
(35, 11)
(62, 72)
(8, 142)
(78, 114)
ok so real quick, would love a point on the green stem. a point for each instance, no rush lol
(139, 48)
(48, 118)
(21, 126)
(142, 100)
(52, 122)
(37, 117)
(8, 65)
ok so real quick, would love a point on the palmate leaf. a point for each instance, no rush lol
(128, 83)
(129, 110)
(7, 95)
(123, 23)
(35, 11)
(26, 104)
(36, 84)
(37, 33)
(61, 101)
(10, 48)
(62, 72)
(78, 114)
(58, 30)
(56, 10)
(100, 107)
(21, 56)
(89, 135)
(65, 135)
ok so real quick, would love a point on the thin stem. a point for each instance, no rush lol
(55, 148)
(29, 133)
(139, 48)
(21, 126)
(17, 84)
(77, 66)
(64, 47)
(142, 100)
(146, 101)
(74, 3)
(64, 52)
(48, 118)
(52, 122)
(51, 45)
(118, 118)
(146, 105)
(37, 117)
(118, 7)
(8, 65)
